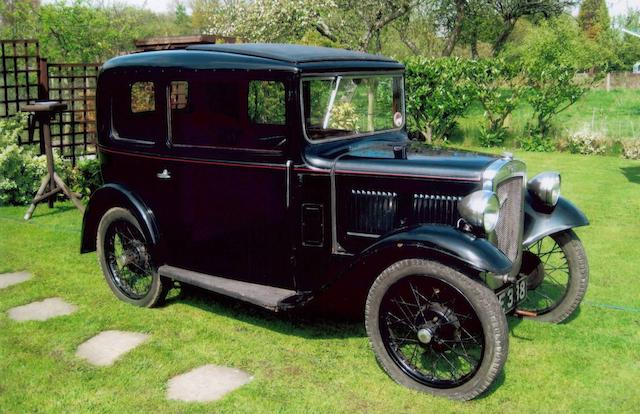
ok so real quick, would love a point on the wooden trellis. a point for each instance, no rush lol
(73, 131)
(21, 78)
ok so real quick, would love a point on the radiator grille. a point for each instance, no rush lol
(440, 209)
(508, 228)
(372, 212)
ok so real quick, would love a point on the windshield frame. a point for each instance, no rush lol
(333, 75)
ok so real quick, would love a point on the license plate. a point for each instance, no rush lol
(513, 294)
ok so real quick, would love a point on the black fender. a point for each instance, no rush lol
(115, 195)
(447, 244)
(541, 221)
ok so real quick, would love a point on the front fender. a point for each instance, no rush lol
(115, 195)
(447, 243)
(540, 222)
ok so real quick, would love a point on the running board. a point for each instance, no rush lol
(269, 297)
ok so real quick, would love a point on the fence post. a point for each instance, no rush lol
(43, 80)
(608, 81)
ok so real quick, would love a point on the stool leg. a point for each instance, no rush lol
(68, 192)
(32, 207)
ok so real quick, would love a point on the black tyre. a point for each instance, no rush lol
(436, 330)
(126, 262)
(558, 275)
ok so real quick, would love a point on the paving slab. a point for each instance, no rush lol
(10, 279)
(42, 310)
(105, 348)
(206, 383)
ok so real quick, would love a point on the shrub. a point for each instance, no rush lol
(587, 143)
(21, 169)
(344, 116)
(87, 177)
(499, 86)
(536, 142)
(438, 92)
(631, 149)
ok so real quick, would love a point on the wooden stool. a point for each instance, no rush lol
(52, 184)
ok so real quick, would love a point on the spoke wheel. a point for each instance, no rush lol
(126, 260)
(431, 331)
(129, 262)
(435, 329)
(558, 275)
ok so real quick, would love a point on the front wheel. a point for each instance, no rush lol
(557, 276)
(126, 262)
(436, 330)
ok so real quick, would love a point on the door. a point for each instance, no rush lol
(135, 155)
(232, 188)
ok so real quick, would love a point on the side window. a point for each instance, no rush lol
(266, 102)
(213, 111)
(143, 97)
(135, 112)
(207, 113)
(179, 95)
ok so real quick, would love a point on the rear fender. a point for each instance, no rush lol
(115, 195)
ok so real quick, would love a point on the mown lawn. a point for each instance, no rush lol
(614, 115)
(591, 364)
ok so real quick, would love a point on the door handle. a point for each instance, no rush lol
(164, 175)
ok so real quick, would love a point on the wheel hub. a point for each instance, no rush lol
(441, 323)
(425, 335)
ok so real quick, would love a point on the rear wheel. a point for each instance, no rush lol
(558, 275)
(126, 262)
(436, 330)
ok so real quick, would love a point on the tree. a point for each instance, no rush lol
(348, 23)
(593, 18)
(551, 56)
(510, 11)
(627, 46)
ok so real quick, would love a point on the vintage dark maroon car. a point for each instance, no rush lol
(281, 175)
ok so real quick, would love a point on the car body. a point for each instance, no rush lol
(283, 174)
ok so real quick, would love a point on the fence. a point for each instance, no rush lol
(25, 76)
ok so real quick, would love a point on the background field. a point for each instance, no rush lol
(304, 364)
(613, 115)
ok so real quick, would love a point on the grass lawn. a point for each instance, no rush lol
(614, 115)
(591, 364)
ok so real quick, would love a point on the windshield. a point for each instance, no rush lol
(342, 106)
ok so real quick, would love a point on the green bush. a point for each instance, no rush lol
(498, 87)
(21, 169)
(438, 92)
(536, 142)
(87, 177)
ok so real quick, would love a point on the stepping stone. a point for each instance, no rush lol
(10, 279)
(206, 383)
(43, 310)
(106, 347)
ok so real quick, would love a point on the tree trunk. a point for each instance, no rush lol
(457, 28)
(474, 44)
(501, 40)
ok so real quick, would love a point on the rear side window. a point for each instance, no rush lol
(266, 102)
(136, 114)
(143, 97)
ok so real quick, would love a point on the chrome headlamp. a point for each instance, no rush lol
(545, 187)
(480, 209)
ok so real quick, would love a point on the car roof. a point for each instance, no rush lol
(257, 56)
